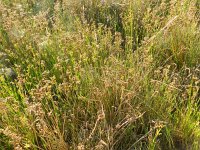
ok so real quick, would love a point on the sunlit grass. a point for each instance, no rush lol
(99, 75)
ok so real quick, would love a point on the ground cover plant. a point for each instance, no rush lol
(100, 74)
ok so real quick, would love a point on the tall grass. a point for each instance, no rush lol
(98, 75)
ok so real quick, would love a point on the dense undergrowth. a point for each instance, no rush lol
(96, 74)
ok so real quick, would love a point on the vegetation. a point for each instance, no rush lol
(102, 75)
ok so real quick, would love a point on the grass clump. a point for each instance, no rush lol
(100, 75)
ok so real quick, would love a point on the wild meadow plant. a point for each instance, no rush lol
(93, 74)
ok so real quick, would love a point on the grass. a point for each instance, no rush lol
(100, 75)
